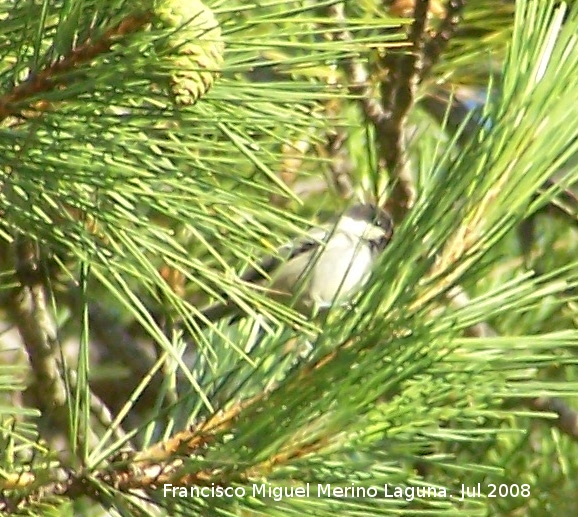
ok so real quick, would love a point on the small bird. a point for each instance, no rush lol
(325, 267)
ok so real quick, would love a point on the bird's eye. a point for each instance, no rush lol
(379, 220)
(384, 221)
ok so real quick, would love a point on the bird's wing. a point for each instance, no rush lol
(311, 240)
(266, 267)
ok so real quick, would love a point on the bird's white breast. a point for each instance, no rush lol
(333, 274)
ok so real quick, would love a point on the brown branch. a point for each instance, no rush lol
(47, 79)
(39, 337)
(404, 71)
(405, 8)
(360, 86)
(163, 462)
(147, 469)
(37, 330)
(448, 28)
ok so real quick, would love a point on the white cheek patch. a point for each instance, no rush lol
(354, 227)
(361, 229)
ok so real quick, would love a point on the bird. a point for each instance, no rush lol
(325, 267)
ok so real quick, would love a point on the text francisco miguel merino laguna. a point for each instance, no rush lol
(278, 493)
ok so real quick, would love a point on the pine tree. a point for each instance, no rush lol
(151, 151)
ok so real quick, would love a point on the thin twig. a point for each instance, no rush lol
(567, 420)
(358, 77)
(459, 298)
(359, 85)
(340, 165)
(397, 94)
(404, 72)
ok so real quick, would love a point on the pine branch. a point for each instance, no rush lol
(454, 114)
(164, 462)
(193, 66)
(38, 333)
(48, 79)
(404, 71)
(39, 336)
(567, 420)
